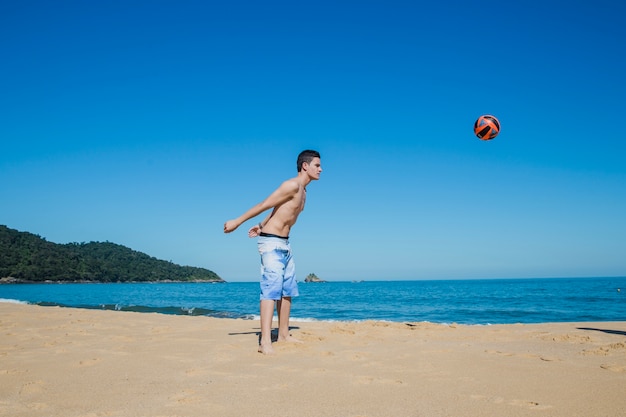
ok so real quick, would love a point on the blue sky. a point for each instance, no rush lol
(151, 123)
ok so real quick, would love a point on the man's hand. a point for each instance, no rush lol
(230, 225)
(254, 231)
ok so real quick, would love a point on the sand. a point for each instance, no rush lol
(74, 362)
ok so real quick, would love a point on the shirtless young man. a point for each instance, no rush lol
(278, 278)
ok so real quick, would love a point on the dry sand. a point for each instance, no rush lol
(71, 362)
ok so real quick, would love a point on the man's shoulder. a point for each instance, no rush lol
(291, 185)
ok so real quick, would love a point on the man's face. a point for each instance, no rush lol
(314, 168)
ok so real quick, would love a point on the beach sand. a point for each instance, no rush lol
(73, 362)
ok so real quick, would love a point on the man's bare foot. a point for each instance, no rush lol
(289, 338)
(266, 349)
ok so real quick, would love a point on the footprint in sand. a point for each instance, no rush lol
(186, 397)
(569, 338)
(338, 329)
(32, 387)
(549, 359)
(484, 398)
(498, 352)
(308, 336)
(533, 405)
(357, 356)
(606, 350)
(368, 380)
(194, 372)
(160, 330)
(11, 372)
(89, 362)
(614, 368)
(524, 355)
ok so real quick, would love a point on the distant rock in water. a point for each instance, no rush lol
(313, 278)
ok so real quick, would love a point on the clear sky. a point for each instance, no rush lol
(151, 123)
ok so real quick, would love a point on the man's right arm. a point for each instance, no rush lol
(282, 194)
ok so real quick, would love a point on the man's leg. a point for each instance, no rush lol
(284, 310)
(267, 314)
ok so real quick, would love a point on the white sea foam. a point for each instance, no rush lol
(8, 300)
(312, 320)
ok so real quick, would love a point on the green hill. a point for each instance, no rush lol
(25, 257)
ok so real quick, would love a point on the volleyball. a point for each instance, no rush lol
(486, 127)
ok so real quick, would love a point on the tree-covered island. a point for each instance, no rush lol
(28, 258)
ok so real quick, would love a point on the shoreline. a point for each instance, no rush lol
(255, 317)
(170, 311)
(79, 362)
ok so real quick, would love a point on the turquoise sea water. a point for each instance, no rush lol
(459, 301)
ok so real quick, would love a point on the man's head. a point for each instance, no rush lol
(306, 157)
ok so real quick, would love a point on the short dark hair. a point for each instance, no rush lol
(307, 156)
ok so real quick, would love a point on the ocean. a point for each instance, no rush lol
(475, 302)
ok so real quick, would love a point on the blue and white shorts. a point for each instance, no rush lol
(278, 274)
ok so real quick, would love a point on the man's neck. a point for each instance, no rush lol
(303, 179)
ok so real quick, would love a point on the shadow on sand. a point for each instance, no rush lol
(619, 332)
(258, 333)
